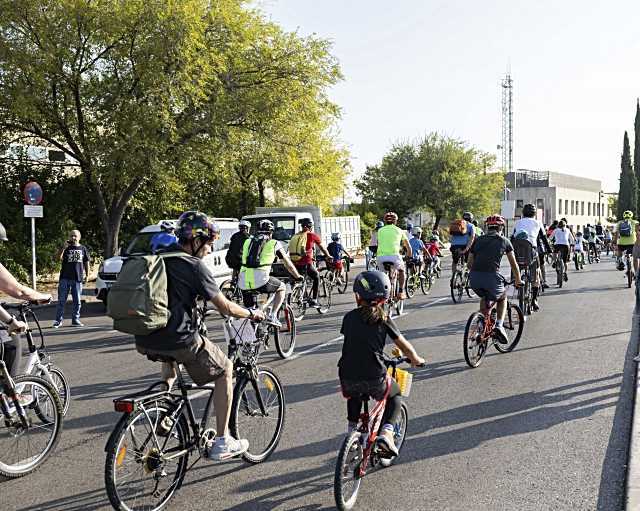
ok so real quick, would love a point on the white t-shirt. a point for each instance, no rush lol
(531, 226)
(579, 246)
(562, 236)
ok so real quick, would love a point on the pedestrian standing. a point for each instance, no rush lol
(74, 271)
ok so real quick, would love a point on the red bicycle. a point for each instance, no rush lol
(479, 332)
(359, 450)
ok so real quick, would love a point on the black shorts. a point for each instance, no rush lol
(487, 285)
(456, 253)
(272, 285)
(626, 249)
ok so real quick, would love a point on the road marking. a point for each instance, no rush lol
(425, 305)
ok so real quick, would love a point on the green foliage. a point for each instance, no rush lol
(628, 195)
(441, 174)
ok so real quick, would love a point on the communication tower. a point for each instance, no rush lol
(507, 123)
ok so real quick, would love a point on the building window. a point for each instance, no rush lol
(589, 208)
(519, 203)
(540, 204)
(559, 206)
(566, 206)
(599, 208)
(573, 207)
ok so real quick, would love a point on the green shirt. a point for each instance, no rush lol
(390, 239)
(627, 240)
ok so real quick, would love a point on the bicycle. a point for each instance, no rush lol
(479, 331)
(300, 296)
(24, 401)
(415, 280)
(338, 280)
(561, 269)
(371, 262)
(393, 302)
(39, 361)
(628, 265)
(359, 450)
(158, 431)
(578, 260)
(229, 288)
(524, 256)
(459, 283)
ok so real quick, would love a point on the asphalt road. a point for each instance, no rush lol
(545, 427)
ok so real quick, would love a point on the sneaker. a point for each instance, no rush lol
(77, 323)
(501, 334)
(566, 277)
(620, 266)
(636, 358)
(314, 303)
(534, 306)
(56, 324)
(228, 447)
(545, 285)
(273, 320)
(385, 441)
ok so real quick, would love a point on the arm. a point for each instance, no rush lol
(472, 238)
(470, 260)
(514, 268)
(409, 351)
(407, 247)
(13, 325)
(9, 285)
(229, 308)
(85, 263)
(288, 264)
(324, 250)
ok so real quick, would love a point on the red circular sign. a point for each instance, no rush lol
(33, 193)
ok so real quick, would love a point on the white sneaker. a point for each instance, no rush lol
(228, 447)
(636, 358)
(273, 320)
(503, 337)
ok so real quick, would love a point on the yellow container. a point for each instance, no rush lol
(404, 379)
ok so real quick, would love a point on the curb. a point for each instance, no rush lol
(632, 486)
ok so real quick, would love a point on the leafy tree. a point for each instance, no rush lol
(628, 194)
(145, 95)
(441, 174)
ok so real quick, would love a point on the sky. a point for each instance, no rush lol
(416, 66)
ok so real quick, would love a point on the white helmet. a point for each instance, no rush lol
(416, 231)
(167, 225)
(335, 236)
(244, 223)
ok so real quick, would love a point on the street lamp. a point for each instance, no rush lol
(600, 194)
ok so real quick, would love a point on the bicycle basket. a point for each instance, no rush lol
(404, 380)
(240, 331)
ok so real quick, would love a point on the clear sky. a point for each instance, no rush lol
(416, 66)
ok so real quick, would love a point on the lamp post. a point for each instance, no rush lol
(600, 194)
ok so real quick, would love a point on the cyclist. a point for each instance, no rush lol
(361, 366)
(391, 239)
(461, 239)
(409, 230)
(625, 237)
(433, 247)
(233, 258)
(608, 237)
(532, 228)
(336, 250)
(485, 278)
(476, 228)
(9, 324)
(578, 247)
(258, 255)
(373, 243)
(592, 240)
(183, 339)
(419, 253)
(563, 239)
(165, 238)
(305, 263)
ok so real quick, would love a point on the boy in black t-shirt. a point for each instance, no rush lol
(361, 367)
(75, 269)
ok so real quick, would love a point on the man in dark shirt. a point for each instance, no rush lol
(236, 243)
(485, 278)
(184, 338)
(305, 264)
(75, 269)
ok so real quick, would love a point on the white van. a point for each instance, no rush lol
(141, 245)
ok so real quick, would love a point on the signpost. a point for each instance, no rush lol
(33, 198)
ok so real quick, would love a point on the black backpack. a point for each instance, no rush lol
(256, 245)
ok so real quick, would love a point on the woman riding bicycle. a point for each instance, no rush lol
(361, 367)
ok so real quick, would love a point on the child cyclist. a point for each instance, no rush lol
(419, 254)
(336, 250)
(361, 366)
(433, 248)
(578, 247)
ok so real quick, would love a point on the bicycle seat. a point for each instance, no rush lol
(155, 357)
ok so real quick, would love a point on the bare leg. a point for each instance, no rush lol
(401, 279)
(278, 300)
(168, 374)
(501, 309)
(222, 399)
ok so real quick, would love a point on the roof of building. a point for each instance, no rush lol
(525, 178)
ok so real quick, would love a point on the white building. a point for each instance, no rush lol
(580, 200)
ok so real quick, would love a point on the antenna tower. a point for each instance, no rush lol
(507, 123)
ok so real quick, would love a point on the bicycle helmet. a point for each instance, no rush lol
(265, 226)
(495, 221)
(379, 224)
(434, 237)
(167, 225)
(416, 231)
(195, 225)
(627, 215)
(244, 224)
(468, 216)
(335, 236)
(306, 222)
(390, 217)
(529, 210)
(3, 233)
(578, 234)
(409, 226)
(372, 286)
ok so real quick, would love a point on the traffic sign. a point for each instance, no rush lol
(33, 211)
(33, 193)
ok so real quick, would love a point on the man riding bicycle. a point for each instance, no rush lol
(258, 255)
(305, 261)
(462, 239)
(391, 239)
(592, 240)
(183, 339)
(563, 240)
(233, 258)
(485, 278)
(625, 237)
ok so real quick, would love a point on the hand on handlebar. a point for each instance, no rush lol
(257, 315)
(16, 327)
(419, 362)
(41, 299)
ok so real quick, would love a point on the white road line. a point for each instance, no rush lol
(425, 305)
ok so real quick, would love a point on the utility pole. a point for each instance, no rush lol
(507, 123)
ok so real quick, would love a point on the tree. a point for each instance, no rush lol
(628, 194)
(145, 95)
(441, 174)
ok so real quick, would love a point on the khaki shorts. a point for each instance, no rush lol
(202, 359)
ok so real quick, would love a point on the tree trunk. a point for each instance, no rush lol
(261, 198)
(436, 222)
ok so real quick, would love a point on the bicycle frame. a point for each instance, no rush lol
(369, 425)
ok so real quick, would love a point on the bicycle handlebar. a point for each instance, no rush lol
(26, 304)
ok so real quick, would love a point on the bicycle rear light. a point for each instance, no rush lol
(123, 406)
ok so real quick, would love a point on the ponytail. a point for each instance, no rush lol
(372, 313)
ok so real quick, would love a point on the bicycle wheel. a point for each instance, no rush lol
(399, 434)
(347, 480)
(324, 296)
(426, 283)
(457, 287)
(589, 256)
(24, 449)
(248, 420)
(629, 276)
(297, 302)
(474, 347)
(137, 475)
(59, 382)
(285, 337)
(576, 260)
(410, 284)
(559, 272)
(343, 282)
(467, 289)
(513, 324)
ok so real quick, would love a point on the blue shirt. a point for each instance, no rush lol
(417, 247)
(461, 240)
(335, 250)
(162, 239)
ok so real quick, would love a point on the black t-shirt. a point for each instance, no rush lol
(73, 258)
(187, 279)
(488, 251)
(363, 345)
(234, 254)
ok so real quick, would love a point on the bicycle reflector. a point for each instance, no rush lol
(123, 406)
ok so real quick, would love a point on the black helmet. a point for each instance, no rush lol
(372, 286)
(3, 233)
(193, 224)
(529, 210)
(468, 216)
(306, 222)
(266, 226)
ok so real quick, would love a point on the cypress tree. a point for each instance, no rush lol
(636, 148)
(628, 194)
